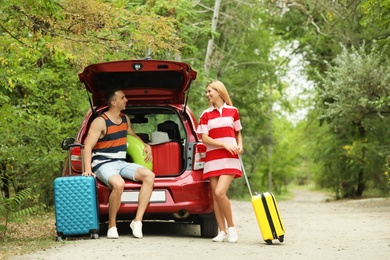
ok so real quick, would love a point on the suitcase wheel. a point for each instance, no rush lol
(281, 239)
(269, 242)
(59, 238)
(94, 236)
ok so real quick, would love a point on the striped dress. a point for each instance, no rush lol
(113, 145)
(221, 125)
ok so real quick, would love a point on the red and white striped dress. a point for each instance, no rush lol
(221, 125)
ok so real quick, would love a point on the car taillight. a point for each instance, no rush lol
(199, 156)
(75, 157)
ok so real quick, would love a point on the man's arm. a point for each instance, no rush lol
(95, 132)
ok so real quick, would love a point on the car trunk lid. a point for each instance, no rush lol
(142, 81)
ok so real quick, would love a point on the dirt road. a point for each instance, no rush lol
(314, 230)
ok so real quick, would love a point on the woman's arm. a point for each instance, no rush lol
(233, 149)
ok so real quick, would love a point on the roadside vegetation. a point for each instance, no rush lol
(28, 234)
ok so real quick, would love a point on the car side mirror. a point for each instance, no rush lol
(66, 143)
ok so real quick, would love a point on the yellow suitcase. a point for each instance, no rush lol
(267, 213)
(268, 217)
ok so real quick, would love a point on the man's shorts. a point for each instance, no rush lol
(123, 168)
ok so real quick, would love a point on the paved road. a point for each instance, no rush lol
(314, 230)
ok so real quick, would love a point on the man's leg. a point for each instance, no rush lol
(117, 184)
(142, 174)
(108, 173)
(145, 176)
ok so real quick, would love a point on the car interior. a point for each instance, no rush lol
(168, 157)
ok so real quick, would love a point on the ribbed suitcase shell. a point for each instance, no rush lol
(166, 159)
(268, 217)
(76, 210)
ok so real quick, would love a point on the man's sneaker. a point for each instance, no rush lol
(112, 233)
(232, 236)
(221, 237)
(136, 226)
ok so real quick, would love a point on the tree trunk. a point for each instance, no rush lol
(361, 184)
(4, 181)
(210, 44)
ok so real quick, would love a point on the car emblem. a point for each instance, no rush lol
(137, 66)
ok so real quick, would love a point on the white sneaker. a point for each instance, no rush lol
(112, 233)
(136, 226)
(221, 237)
(232, 236)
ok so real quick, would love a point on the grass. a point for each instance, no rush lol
(28, 235)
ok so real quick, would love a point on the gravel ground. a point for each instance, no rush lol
(315, 229)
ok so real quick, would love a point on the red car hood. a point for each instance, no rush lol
(142, 81)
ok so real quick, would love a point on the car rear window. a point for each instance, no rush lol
(145, 120)
(170, 80)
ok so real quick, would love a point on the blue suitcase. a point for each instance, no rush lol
(76, 206)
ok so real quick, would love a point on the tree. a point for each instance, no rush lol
(214, 22)
(357, 91)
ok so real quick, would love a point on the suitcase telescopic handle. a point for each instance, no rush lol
(246, 177)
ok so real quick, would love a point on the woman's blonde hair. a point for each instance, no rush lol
(220, 87)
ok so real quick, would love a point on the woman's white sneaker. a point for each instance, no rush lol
(221, 237)
(232, 236)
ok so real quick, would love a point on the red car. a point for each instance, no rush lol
(156, 92)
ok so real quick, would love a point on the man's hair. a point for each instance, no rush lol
(109, 95)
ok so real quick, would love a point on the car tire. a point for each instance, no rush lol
(208, 226)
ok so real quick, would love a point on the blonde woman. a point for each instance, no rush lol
(220, 128)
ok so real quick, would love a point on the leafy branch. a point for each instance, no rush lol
(12, 208)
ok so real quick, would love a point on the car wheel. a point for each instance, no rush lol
(208, 226)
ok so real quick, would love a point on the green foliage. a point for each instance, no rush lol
(184, 18)
(41, 112)
(376, 19)
(356, 90)
(16, 207)
(345, 46)
(356, 87)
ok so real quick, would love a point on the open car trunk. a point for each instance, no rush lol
(168, 156)
(142, 81)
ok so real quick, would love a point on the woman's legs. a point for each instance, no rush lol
(222, 208)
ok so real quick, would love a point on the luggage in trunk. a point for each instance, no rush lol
(167, 160)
